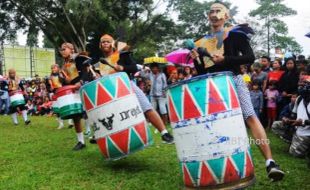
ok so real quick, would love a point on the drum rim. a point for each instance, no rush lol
(208, 75)
(66, 87)
(12, 93)
(105, 76)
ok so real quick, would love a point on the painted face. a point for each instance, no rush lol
(106, 46)
(65, 52)
(218, 15)
(55, 69)
(12, 74)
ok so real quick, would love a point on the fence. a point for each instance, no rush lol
(26, 61)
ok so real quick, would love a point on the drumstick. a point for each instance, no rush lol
(103, 61)
(64, 73)
(92, 71)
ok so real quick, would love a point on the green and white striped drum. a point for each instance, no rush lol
(118, 121)
(210, 134)
(69, 102)
(55, 106)
(17, 98)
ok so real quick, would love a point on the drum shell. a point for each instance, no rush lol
(114, 112)
(55, 105)
(69, 102)
(210, 134)
(17, 98)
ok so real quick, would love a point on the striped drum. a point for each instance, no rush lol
(55, 106)
(118, 121)
(69, 102)
(210, 134)
(17, 98)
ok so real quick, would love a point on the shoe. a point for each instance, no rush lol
(274, 172)
(167, 138)
(79, 146)
(70, 126)
(87, 133)
(27, 122)
(92, 140)
(15, 124)
(60, 127)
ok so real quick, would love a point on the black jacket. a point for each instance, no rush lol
(237, 51)
(126, 60)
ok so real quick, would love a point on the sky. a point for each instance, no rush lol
(298, 25)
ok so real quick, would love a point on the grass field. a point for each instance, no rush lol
(40, 157)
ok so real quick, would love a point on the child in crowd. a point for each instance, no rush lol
(257, 98)
(30, 108)
(272, 95)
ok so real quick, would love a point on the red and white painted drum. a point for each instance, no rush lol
(118, 121)
(69, 102)
(17, 98)
(55, 106)
(209, 132)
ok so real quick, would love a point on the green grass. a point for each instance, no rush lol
(40, 157)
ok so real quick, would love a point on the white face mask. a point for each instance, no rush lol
(219, 11)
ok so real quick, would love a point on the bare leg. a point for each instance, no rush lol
(77, 125)
(259, 133)
(164, 117)
(155, 119)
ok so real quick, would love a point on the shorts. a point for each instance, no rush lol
(272, 113)
(244, 97)
(160, 102)
(143, 101)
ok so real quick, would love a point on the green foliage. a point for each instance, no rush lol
(32, 36)
(276, 30)
(83, 22)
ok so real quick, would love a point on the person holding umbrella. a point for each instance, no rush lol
(229, 49)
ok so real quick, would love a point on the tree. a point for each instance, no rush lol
(32, 36)
(270, 11)
(83, 22)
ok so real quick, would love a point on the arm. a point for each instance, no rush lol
(164, 84)
(261, 102)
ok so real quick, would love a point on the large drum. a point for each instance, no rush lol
(55, 106)
(114, 112)
(17, 98)
(69, 102)
(209, 132)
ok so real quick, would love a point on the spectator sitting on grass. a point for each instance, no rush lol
(30, 108)
(282, 127)
(301, 140)
(46, 106)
